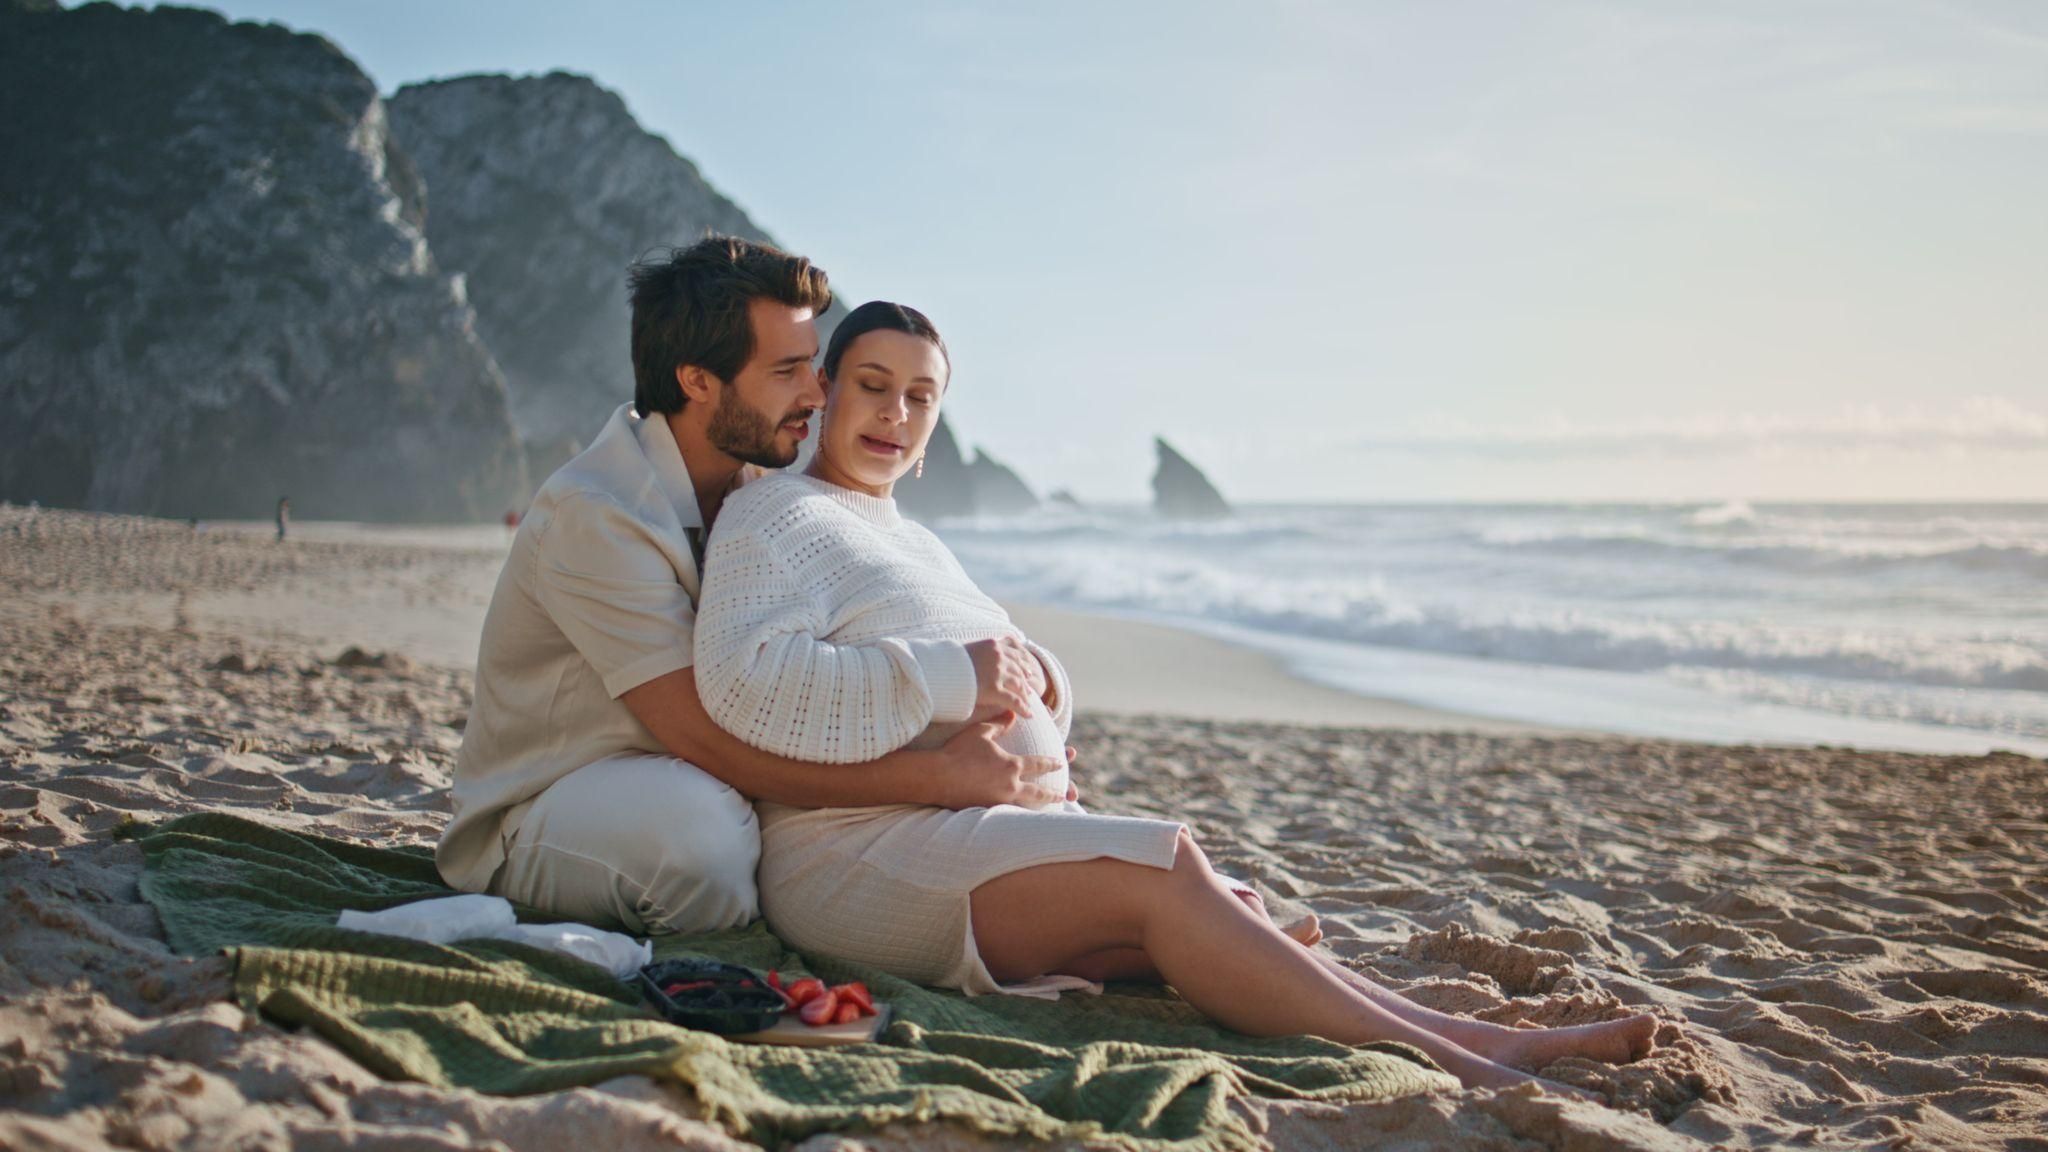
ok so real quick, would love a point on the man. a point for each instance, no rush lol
(591, 783)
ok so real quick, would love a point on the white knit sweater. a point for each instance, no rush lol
(832, 630)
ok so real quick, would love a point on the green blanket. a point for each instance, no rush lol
(1136, 1068)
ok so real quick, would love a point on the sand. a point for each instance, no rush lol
(1847, 949)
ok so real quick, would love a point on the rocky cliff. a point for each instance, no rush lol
(214, 287)
(229, 272)
(1180, 491)
(997, 487)
(946, 488)
(541, 190)
(957, 485)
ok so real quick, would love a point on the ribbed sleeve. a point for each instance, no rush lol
(766, 677)
(948, 676)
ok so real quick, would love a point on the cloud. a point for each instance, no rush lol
(1979, 424)
(1990, 119)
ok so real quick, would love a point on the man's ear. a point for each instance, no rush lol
(698, 385)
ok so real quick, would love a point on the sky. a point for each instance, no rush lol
(1783, 250)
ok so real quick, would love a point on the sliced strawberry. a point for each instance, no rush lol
(847, 1014)
(804, 991)
(820, 1009)
(857, 992)
(775, 980)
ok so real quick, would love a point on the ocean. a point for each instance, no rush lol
(1915, 627)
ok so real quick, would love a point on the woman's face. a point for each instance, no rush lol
(880, 409)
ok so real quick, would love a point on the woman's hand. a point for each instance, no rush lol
(1040, 685)
(1003, 670)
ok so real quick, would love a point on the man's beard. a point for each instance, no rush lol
(747, 436)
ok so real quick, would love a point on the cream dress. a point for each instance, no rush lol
(832, 630)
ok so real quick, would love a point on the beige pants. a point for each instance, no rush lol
(647, 844)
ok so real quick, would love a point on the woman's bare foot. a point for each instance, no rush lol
(1579, 1094)
(1479, 1072)
(1307, 931)
(1610, 1041)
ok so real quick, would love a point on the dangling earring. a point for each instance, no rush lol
(920, 467)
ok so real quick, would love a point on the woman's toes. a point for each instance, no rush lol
(1610, 1042)
(1641, 1031)
(1307, 931)
(1579, 1094)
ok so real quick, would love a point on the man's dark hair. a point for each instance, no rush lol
(881, 316)
(690, 307)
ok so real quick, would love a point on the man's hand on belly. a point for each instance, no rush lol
(971, 770)
(980, 774)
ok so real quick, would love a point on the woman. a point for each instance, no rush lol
(831, 629)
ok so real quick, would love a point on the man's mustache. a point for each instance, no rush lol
(803, 414)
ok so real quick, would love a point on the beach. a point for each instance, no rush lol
(1846, 948)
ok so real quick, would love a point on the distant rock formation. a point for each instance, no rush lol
(1180, 491)
(947, 486)
(214, 288)
(954, 485)
(541, 190)
(998, 489)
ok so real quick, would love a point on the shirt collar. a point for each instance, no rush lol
(665, 460)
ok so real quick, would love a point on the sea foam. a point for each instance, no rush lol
(1934, 616)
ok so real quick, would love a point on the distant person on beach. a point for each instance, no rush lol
(832, 629)
(590, 782)
(284, 515)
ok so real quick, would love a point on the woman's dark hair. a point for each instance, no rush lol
(690, 307)
(881, 316)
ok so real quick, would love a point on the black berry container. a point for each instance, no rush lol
(712, 997)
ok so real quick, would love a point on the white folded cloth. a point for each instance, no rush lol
(470, 917)
(616, 952)
(441, 921)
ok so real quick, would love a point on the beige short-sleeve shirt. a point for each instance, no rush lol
(597, 597)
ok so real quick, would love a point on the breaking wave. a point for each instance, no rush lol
(1934, 613)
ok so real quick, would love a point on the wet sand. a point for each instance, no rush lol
(1846, 949)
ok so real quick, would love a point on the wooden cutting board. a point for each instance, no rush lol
(792, 1031)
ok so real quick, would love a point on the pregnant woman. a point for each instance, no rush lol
(831, 629)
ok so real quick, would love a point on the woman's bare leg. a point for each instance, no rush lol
(1227, 960)
(1307, 931)
(1611, 1041)
(1132, 965)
